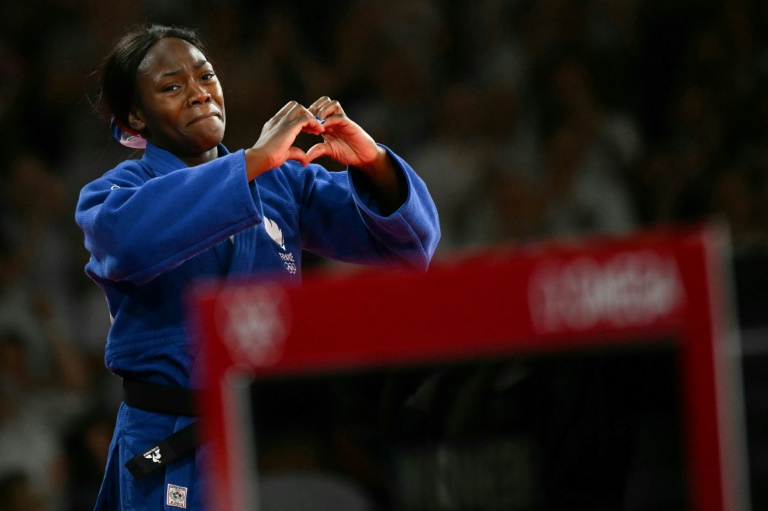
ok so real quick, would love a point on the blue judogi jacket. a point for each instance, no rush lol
(154, 226)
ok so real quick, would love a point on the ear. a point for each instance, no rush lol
(136, 120)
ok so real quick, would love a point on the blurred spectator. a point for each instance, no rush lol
(733, 200)
(86, 445)
(581, 198)
(454, 166)
(519, 207)
(28, 437)
(657, 184)
(613, 142)
(35, 408)
(35, 254)
(13, 69)
(509, 129)
(512, 154)
(399, 108)
(498, 50)
(18, 493)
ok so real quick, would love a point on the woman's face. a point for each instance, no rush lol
(181, 104)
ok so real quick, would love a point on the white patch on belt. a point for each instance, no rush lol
(177, 496)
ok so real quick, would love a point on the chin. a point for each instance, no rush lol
(210, 143)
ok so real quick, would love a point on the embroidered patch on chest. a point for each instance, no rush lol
(276, 234)
(177, 496)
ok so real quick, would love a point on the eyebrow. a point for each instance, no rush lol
(200, 63)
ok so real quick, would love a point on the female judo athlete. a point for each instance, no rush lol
(190, 209)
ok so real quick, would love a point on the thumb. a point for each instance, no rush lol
(318, 150)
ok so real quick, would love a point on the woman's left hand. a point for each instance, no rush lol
(344, 140)
(347, 143)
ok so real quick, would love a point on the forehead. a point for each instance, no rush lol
(168, 55)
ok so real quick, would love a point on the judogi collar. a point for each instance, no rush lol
(163, 162)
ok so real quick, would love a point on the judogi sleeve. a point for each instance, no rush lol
(137, 228)
(340, 219)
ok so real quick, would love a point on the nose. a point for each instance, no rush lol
(198, 94)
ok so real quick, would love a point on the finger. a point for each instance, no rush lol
(283, 114)
(318, 150)
(286, 108)
(299, 119)
(299, 110)
(331, 107)
(339, 125)
(314, 107)
(306, 117)
(335, 120)
(313, 125)
(295, 153)
(315, 128)
(328, 109)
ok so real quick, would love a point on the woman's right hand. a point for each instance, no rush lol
(275, 144)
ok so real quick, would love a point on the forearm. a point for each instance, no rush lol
(408, 234)
(387, 182)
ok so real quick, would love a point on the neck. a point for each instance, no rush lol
(199, 159)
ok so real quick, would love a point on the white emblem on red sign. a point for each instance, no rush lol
(252, 321)
(630, 289)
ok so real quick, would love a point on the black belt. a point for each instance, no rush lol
(157, 398)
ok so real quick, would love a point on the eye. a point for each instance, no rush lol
(208, 75)
(170, 87)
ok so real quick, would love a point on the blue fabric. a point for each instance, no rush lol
(154, 227)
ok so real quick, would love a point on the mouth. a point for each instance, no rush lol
(203, 117)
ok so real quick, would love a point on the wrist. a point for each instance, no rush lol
(377, 166)
(255, 163)
(382, 173)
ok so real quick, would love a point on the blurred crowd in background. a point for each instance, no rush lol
(528, 119)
